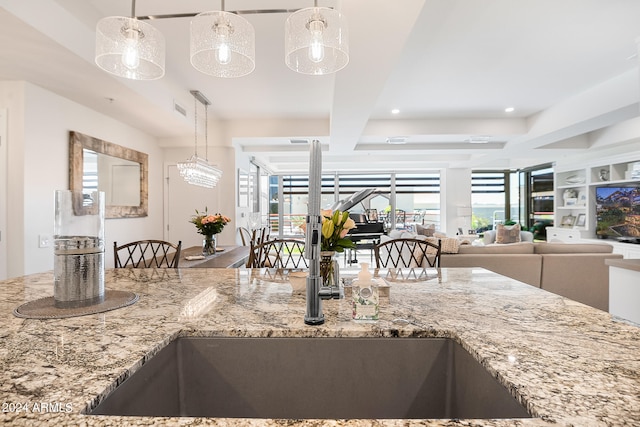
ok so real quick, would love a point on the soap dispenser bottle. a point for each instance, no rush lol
(366, 298)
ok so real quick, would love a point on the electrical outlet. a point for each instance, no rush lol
(44, 240)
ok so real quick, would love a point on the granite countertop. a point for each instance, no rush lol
(570, 364)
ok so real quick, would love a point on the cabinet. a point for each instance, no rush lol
(627, 250)
(567, 235)
(575, 192)
(624, 289)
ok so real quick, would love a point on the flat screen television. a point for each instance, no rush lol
(618, 213)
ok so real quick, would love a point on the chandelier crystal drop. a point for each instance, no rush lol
(196, 170)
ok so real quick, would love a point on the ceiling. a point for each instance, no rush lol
(568, 68)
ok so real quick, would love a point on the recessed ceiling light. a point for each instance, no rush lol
(509, 110)
(479, 139)
(395, 111)
(395, 140)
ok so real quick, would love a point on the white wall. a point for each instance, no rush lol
(614, 153)
(221, 198)
(3, 193)
(12, 98)
(38, 147)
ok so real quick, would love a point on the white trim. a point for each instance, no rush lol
(165, 197)
(3, 193)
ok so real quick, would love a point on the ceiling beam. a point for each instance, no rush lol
(358, 85)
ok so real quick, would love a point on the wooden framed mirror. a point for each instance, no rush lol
(122, 173)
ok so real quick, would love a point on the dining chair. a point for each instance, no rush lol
(261, 235)
(255, 236)
(147, 254)
(407, 252)
(245, 235)
(278, 253)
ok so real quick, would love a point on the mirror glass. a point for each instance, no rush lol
(118, 178)
(121, 173)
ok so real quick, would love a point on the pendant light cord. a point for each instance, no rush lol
(195, 115)
(206, 127)
(133, 9)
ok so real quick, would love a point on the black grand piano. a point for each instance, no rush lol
(368, 229)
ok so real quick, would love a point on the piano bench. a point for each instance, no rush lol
(353, 255)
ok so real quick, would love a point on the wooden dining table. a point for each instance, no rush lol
(230, 256)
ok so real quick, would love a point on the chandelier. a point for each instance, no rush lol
(222, 44)
(197, 170)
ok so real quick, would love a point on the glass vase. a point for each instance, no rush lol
(329, 268)
(78, 249)
(209, 245)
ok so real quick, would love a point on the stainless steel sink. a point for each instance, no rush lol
(372, 378)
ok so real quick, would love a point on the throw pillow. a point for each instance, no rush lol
(395, 234)
(448, 245)
(489, 237)
(507, 233)
(426, 231)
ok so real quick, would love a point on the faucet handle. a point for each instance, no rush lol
(329, 292)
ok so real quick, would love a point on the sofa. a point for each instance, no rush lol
(573, 270)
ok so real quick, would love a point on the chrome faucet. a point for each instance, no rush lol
(315, 291)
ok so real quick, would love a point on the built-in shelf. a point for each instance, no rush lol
(575, 191)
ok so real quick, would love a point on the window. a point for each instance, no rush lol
(488, 199)
(495, 197)
(416, 198)
(350, 184)
(288, 205)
